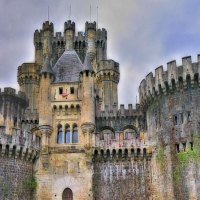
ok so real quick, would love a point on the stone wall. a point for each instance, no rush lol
(14, 176)
(173, 127)
(119, 179)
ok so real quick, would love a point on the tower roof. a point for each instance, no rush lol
(68, 67)
(47, 66)
(87, 63)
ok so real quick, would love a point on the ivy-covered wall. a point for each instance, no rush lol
(173, 126)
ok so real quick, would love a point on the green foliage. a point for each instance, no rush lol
(176, 175)
(184, 158)
(153, 105)
(31, 183)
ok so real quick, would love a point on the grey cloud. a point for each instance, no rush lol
(139, 33)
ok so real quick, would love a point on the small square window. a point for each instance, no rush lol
(71, 90)
(60, 90)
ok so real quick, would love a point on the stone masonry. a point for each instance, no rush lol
(64, 136)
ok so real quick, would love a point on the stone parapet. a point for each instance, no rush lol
(174, 79)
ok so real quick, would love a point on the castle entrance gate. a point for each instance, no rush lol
(67, 194)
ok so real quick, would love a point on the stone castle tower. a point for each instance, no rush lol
(64, 136)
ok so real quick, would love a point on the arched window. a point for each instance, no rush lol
(59, 135)
(75, 134)
(67, 134)
(67, 194)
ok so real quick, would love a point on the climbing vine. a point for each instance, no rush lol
(184, 158)
(31, 183)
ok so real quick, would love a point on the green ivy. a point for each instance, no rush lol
(31, 183)
(153, 105)
(176, 175)
(184, 158)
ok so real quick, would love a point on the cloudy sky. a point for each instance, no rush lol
(142, 34)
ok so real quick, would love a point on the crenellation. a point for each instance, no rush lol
(159, 79)
(65, 127)
(69, 25)
(101, 34)
(48, 26)
(174, 78)
(90, 25)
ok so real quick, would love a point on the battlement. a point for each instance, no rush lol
(28, 72)
(108, 65)
(101, 34)
(20, 145)
(118, 154)
(48, 26)
(80, 36)
(90, 26)
(8, 91)
(69, 25)
(37, 37)
(173, 79)
(108, 70)
(122, 112)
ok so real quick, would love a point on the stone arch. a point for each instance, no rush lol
(59, 134)
(130, 132)
(75, 133)
(67, 134)
(107, 130)
(67, 194)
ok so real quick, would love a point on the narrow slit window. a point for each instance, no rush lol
(177, 148)
(175, 120)
(189, 116)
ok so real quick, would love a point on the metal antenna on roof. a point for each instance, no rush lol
(90, 12)
(97, 16)
(136, 99)
(70, 11)
(48, 13)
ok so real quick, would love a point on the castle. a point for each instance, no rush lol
(64, 136)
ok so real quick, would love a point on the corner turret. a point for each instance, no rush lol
(107, 77)
(88, 102)
(46, 77)
(47, 35)
(69, 32)
(90, 31)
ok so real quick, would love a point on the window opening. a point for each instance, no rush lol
(60, 90)
(71, 90)
(75, 135)
(67, 135)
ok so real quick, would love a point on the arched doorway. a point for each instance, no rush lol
(67, 194)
